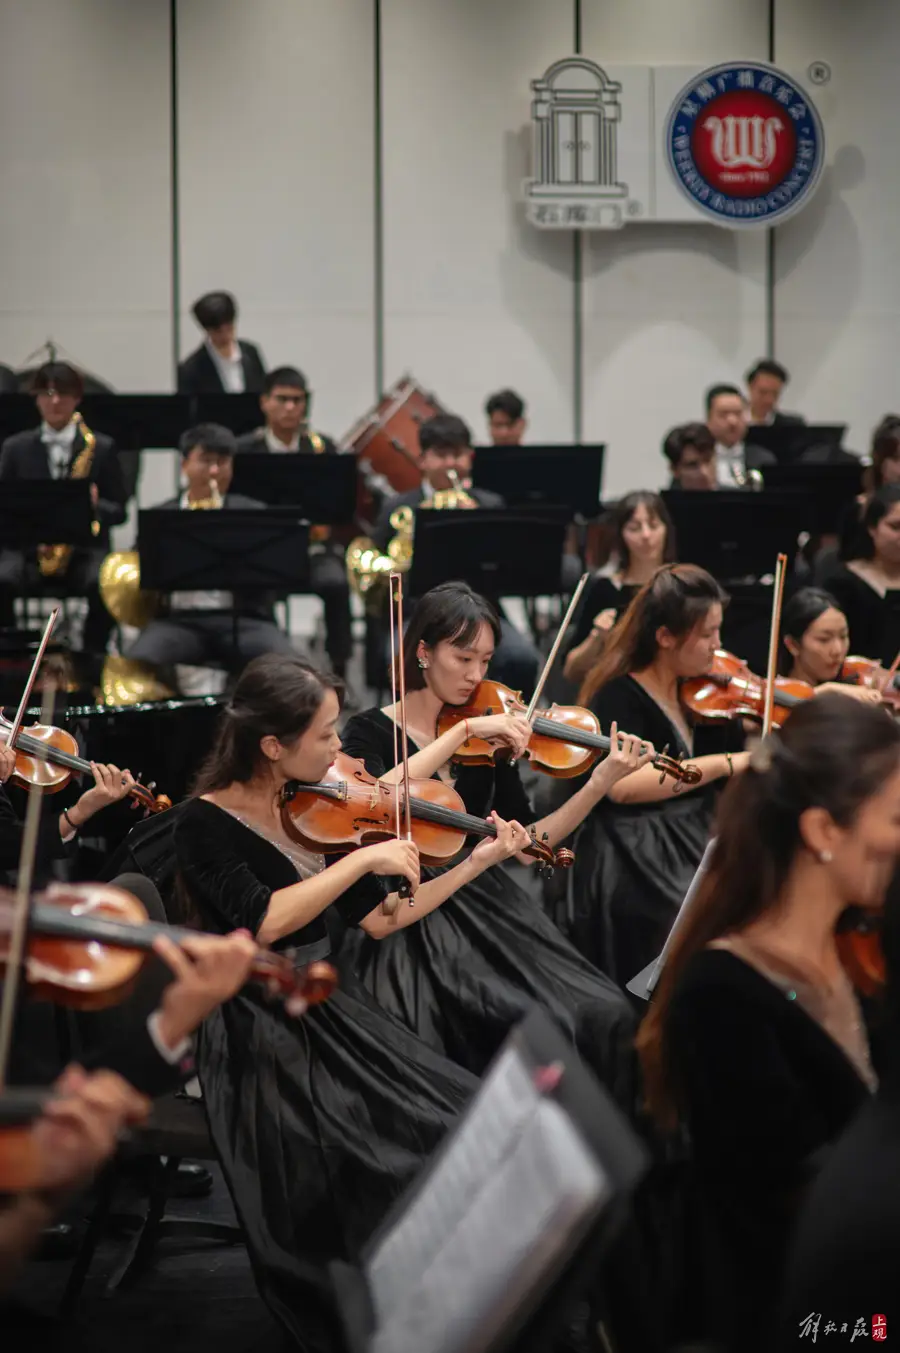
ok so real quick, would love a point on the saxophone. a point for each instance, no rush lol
(53, 560)
(368, 569)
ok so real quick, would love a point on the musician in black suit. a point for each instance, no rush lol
(726, 418)
(223, 363)
(445, 444)
(197, 628)
(285, 402)
(765, 384)
(52, 451)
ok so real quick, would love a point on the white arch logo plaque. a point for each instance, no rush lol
(575, 115)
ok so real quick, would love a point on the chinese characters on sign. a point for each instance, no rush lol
(847, 1331)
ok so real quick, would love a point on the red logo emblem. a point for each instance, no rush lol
(744, 143)
(879, 1328)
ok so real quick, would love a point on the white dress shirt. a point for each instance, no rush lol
(230, 369)
(212, 600)
(730, 466)
(59, 447)
(277, 445)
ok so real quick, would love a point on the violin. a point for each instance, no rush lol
(350, 808)
(869, 672)
(47, 758)
(565, 741)
(87, 942)
(731, 691)
(858, 939)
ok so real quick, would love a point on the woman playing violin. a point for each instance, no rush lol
(755, 1039)
(638, 852)
(58, 829)
(319, 1124)
(464, 976)
(864, 586)
(644, 538)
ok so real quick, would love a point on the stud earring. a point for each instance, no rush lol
(422, 663)
(825, 856)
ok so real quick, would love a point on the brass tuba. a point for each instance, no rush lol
(53, 560)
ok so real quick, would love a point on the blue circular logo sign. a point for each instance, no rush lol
(745, 144)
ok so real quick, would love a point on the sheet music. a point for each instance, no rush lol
(508, 1200)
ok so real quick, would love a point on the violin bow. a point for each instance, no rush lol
(551, 656)
(16, 725)
(25, 877)
(774, 639)
(402, 821)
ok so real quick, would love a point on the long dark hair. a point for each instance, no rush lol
(624, 510)
(675, 598)
(832, 753)
(885, 446)
(276, 694)
(803, 610)
(878, 506)
(451, 612)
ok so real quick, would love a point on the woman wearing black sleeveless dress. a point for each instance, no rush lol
(464, 976)
(320, 1122)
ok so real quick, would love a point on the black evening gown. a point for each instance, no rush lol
(766, 1092)
(320, 1123)
(465, 974)
(634, 862)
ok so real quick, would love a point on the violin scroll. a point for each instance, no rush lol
(682, 771)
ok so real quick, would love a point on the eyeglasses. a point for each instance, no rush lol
(289, 399)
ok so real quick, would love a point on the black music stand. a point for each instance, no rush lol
(501, 552)
(527, 476)
(827, 490)
(241, 413)
(474, 1258)
(734, 533)
(17, 413)
(789, 442)
(238, 550)
(139, 422)
(324, 486)
(34, 511)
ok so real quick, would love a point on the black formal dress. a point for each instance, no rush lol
(199, 375)
(602, 593)
(515, 661)
(320, 1123)
(873, 620)
(25, 457)
(465, 974)
(206, 634)
(327, 570)
(843, 1263)
(634, 861)
(765, 1090)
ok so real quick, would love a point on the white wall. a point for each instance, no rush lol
(837, 303)
(276, 166)
(669, 310)
(475, 298)
(277, 174)
(85, 169)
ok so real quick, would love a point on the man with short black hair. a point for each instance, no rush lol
(223, 364)
(691, 452)
(52, 451)
(726, 418)
(506, 418)
(197, 628)
(765, 384)
(445, 444)
(285, 402)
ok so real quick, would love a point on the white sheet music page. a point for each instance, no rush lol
(503, 1208)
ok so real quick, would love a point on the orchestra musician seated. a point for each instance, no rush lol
(64, 448)
(690, 450)
(727, 420)
(507, 423)
(285, 403)
(223, 364)
(198, 628)
(445, 443)
(766, 380)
